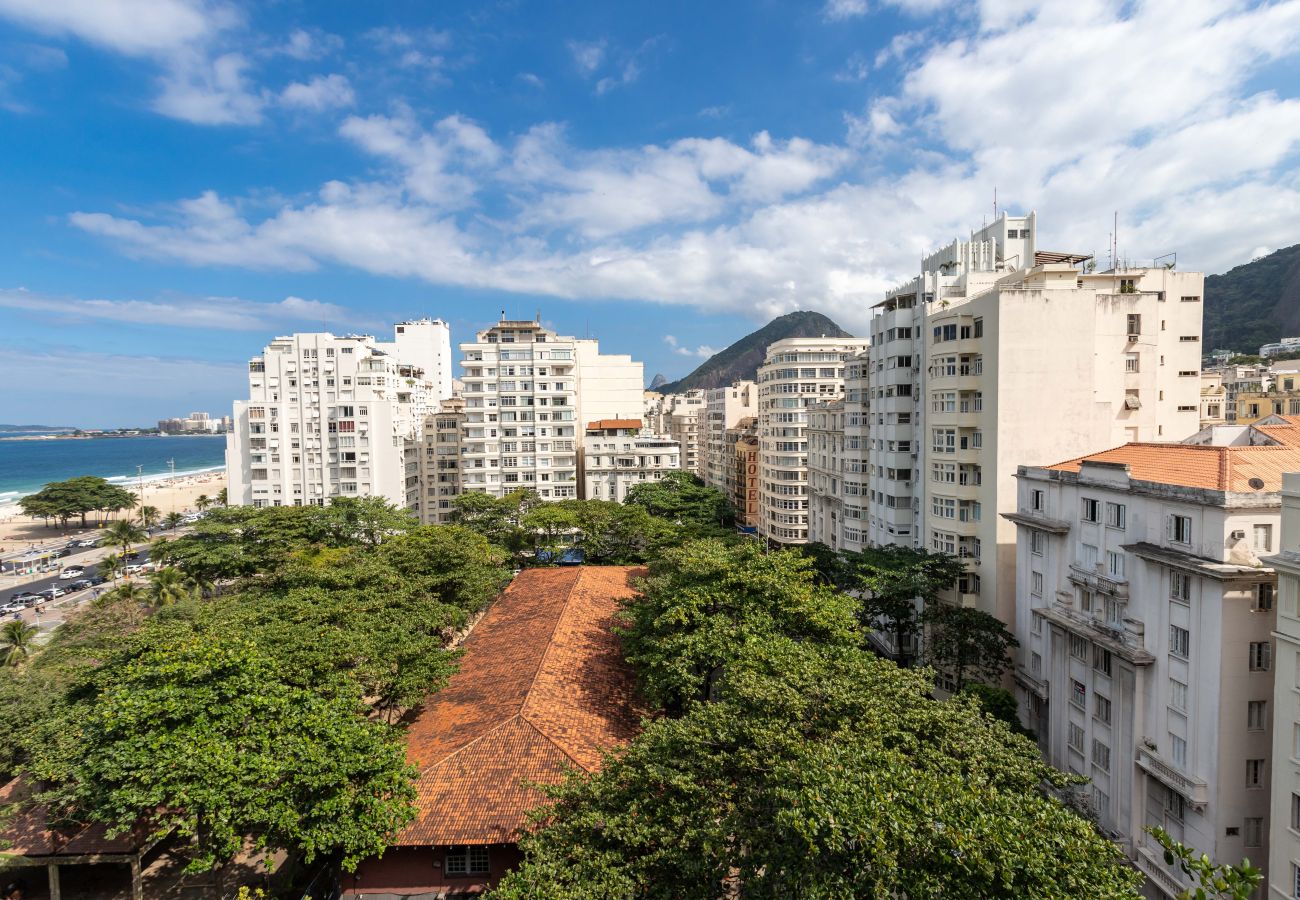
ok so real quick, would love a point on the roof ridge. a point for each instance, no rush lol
(550, 642)
(1225, 471)
(433, 764)
(552, 741)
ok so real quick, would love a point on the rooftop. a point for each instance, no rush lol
(605, 424)
(1248, 469)
(542, 687)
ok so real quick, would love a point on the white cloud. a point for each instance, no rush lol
(587, 55)
(839, 10)
(210, 91)
(133, 27)
(307, 45)
(531, 80)
(221, 313)
(320, 93)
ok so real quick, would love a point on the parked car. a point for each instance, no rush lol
(83, 584)
(59, 554)
(133, 569)
(97, 579)
(89, 542)
(12, 608)
(53, 593)
(21, 596)
(72, 572)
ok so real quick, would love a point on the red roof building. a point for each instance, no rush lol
(542, 688)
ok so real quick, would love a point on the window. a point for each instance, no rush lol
(1102, 708)
(1295, 820)
(1180, 529)
(1088, 556)
(1101, 660)
(1254, 773)
(1116, 515)
(1177, 694)
(1036, 501)
(1261, 656)
(1036, 583)
(1100, 755)
(1180, 641)
(1178, 751)
(1075, 737)
(466, 861)
(1089, 510)
(1257, 715)
(1134, 320)
(1078, 694)
(1037, 541)
(1115, 563)
(1078, 646)
(1253, 832)
(1101, 803)
(1264, 597)
(1180, 586)
(1264, 538)
(1130, 362)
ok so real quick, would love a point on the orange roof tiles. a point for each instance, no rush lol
(542, 687)
(602, 424)
(1288, 433)
(28, 832)
(1199, 466)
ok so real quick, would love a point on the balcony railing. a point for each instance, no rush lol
(1196, 790)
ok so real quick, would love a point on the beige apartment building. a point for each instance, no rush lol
(528, 391)
(439, 460)
(743, 480)
(617, 455)
(797, 374)
(723, 408)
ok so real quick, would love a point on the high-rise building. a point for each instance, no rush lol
(331, 416)
(826, 439)
(796, 374)
(838, 473)
(617, 455)
(742, 485)
(683, 415)
(1146, 637)
(439, 459)
(528, 391)
(724, 407)
(1284, 783)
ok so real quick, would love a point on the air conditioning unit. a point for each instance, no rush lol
(1134, 338)
(1239, 535)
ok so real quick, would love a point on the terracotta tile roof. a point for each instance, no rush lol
(542, 687)
(27, 830)
(1288, 433)
(602, 424)
(1199, 466)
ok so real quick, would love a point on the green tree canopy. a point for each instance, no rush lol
(892, 580)
(684, 499)
(63, 500)
(966, 643)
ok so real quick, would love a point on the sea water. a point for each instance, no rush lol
(26, 465)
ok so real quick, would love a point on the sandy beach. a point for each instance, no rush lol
(168, 494)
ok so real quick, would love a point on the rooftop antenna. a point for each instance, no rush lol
(1114, 237)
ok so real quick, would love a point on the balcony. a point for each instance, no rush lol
(1196, 790)
(1151, 864)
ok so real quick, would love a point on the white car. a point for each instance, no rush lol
(11, 608)
(72, 572)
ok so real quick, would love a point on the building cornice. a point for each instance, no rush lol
(1042, 523)
(1197, 565)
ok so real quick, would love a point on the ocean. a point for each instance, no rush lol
(25, 466)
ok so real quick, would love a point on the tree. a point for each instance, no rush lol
(223, 497)
(893, 580)
(818, 772)
(966, 643)
(168, 586)
(703, 603)
(149, 516)
(683, 498)
(111, 566)
(500, 520)
(1000, 704)
(1224, 881)
(124, 533)
(173, 520)
(365, 520)
(16, 638)
(202, 502)
(62, 500)
(206, 739)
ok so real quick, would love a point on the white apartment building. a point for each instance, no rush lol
(826, 454)
(683, 419)
(527, 391)
(724, 408)
(617, 455)
(1284, 810)
(331, 416)
(1145, 625)
(1286, 345)
(998, 353)
(837, 467)
(439, 462)
(797, 374)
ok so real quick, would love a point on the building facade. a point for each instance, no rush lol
(683, 420)
(527, 391)
(331, 416)
(723, 408)
(826, 439)
(1284, 810)
(617, 455)
(1286, 345)
(742, 485)
(797, 374)
(1146, 637)
(439, 459)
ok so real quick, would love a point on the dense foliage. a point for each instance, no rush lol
(895, 584)
(684, 499)
(793, 763)
(262, 710)
(1254, 304)
(75, 497)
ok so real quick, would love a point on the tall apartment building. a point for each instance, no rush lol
(999, 353)
(1284, 808)
(528, 393)
(797, 374)
(1146, 637)
(837, 466)
(617, 455)
(331, 416)
(723, 408)
(683, 419)
(438, 453)
(742, 486)
(826, 453)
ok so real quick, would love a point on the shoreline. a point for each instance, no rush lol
(96, 437)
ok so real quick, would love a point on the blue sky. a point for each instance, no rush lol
(184, 179)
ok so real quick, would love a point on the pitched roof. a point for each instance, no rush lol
(602, 424)
(1200, 466)
(28, 831)
(1287, 431)
(542, 687)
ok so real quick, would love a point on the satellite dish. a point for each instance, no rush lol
(1256, 483)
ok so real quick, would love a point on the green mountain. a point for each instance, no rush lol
(1254, 304)
(741, 360)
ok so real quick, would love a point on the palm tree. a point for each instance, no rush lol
(201, 586)
(111, 566)
(16, 641)
(202, 502)
(124, 533)
(149, 516)
(127, 590)
(173, 520)
(223, 498)
(168, 586)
